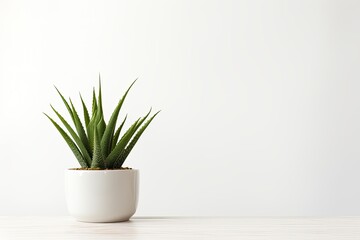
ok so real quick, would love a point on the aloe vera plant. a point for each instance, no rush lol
(95, 144)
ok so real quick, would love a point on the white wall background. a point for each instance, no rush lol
(260, 101)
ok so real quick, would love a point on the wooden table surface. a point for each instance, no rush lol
(173, 228)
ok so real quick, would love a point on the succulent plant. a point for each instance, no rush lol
(97, 146)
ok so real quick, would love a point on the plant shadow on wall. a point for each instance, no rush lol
(101, 190)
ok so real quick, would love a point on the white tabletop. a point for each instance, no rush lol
(182, 228)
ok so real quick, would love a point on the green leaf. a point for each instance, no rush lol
(76, 138)
(98, 158)
(110, 128)
(66, 103)
(90, 131)
(93, 121)
(120, 146)
(86, 112)
(100, 115)
(117, 134)
(99, 105)
(101, 128)
(70, 143)
(94, 104)
(123, 155)
(80, 129)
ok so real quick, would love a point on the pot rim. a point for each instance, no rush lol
(101, 170)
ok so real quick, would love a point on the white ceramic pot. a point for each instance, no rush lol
(102, 195)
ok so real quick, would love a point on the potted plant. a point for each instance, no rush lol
(101, 190)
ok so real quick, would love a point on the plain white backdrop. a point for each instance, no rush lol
(260, 101)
